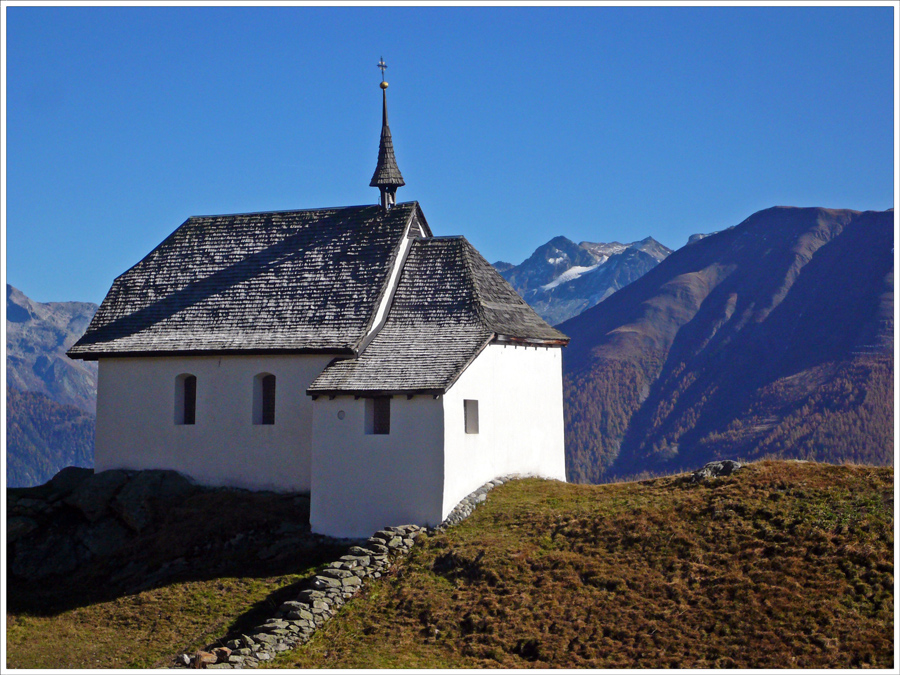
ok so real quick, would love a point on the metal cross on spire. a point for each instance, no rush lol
(383, 66)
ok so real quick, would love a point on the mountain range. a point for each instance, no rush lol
(51, 400)
(772, 338)
(561, 279)
(37, 337)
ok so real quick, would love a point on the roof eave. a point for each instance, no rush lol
(371, 393)
(95, 355)
(546, 342)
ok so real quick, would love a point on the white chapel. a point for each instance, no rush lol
(346, 352)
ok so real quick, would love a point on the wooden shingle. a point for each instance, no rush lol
(449, 305)
(287, 281)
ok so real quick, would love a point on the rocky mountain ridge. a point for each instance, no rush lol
(37, 337)
(561, 278)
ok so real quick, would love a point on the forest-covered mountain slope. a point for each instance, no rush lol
(772, 338)
(43, 437)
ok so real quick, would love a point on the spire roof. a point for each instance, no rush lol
(387, 174)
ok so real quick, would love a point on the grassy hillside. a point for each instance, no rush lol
(783, 564)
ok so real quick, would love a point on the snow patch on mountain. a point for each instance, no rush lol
(573, 273)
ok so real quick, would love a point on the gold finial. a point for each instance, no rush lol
(383, 65)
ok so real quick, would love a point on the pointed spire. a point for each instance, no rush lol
(387, 176)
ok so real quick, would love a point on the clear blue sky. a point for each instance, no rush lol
(511, 125)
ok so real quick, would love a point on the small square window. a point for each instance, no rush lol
(470, 408)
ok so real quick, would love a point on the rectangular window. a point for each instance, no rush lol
(470, 409)
(378, 415)
(268, 402)
(190, 400)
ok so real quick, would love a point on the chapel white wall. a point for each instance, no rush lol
(520, 410)
(364, 482)
(136, 430)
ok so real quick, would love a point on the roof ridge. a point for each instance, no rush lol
(473, 282)
(313, 210)
(371, 331)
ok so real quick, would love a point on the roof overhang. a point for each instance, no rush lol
(373, 393)
(534, 342)
(93, 356)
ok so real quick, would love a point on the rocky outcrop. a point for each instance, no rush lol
(80, 515)
(725, 467)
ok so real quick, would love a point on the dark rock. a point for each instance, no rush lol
(92, 496)
(50, 555)
(18, 526)
(725, 467)
(222, 654)
(147, 492)
(29, 505)
(67, 480)
(105, 537)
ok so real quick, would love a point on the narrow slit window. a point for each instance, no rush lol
(186, 399)
(264, 399)
(470, 410)
(378, 415)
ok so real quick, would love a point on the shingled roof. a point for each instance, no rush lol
(287, 281)
(387, 173)
(450, 303)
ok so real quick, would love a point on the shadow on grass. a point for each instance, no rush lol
(212, 535)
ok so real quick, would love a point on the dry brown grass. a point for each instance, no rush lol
(784, 564)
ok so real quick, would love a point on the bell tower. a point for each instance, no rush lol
(387, 176)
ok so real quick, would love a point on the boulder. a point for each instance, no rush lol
(18, 526)
(48, 556)
(104, 537)
(222, 654)
(92, 496)
(146, 493)
(724, 467)
(202, 659)
(67, 480)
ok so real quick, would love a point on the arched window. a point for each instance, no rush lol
(264, 399)
(185, 399)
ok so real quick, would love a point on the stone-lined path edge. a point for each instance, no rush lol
(296, 621)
